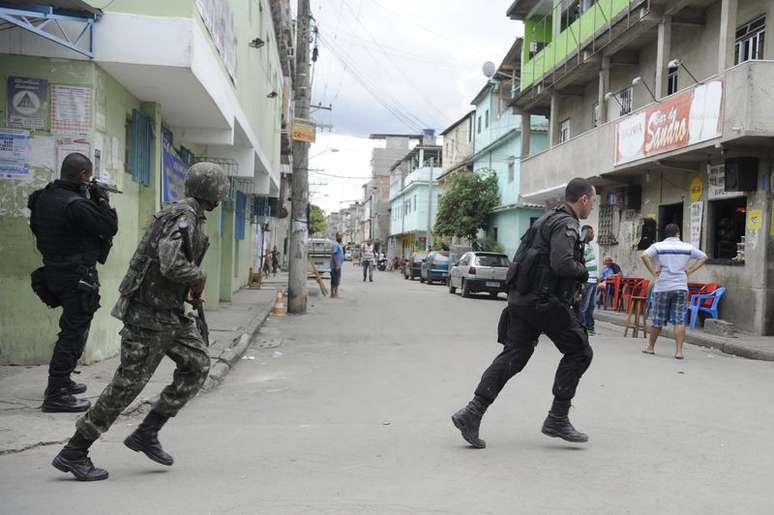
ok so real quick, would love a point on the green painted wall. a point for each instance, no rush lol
(568, 40)
(175, 8)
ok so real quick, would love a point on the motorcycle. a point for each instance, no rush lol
(381, 265)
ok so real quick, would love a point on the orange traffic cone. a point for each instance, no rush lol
(279, 305)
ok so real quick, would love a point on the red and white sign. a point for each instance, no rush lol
(681, 120)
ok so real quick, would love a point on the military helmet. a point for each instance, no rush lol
(206, 181)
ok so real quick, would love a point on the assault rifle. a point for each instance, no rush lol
(201, 322)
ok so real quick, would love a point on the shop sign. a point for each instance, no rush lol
(681, 120)
(716, 183)
(754, 219)
(304, 130)
(697, 188)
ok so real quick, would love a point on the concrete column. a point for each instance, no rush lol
(663, 54)
(553, 126)
(728, 14)
(526, 133)
(604, 86)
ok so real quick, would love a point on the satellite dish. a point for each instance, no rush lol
(489, 69)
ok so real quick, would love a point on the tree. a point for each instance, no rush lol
(317, 223)
(465, 207)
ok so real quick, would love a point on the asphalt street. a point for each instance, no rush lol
(346, 411)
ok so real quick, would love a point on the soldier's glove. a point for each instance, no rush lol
(99, 195)
(584, 278)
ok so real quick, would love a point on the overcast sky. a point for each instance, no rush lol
(395, 66)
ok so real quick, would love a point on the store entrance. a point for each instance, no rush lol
(669, 214)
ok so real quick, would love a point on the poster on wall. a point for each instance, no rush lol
(14, 147)
(71, 108)
(26, 103)
(681, 120)
(696, 214)
(173, 176)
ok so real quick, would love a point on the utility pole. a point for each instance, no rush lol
(428, 243)
(298, 266)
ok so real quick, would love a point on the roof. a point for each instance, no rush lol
(69, 7)
(519, 9)
(456, 123)
(385, 135)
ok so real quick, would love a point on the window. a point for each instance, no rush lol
(511, 168)
(494, 260)
(626, 97)
(750, 41)
(470, 129)
(669, 214)
(672, 80)
(478, 128)
(415, 204)
(564, 130)
(486, 119)
(726, 227)
(535, 47)
(595, 114)
(494, 234)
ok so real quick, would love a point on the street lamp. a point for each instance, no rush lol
(331, 150)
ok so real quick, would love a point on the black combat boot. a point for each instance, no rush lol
(75, 388)
(145, 439)
(60, 400)
(468, 420)
(74, 458)
(557, 424)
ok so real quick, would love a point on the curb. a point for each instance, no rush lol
(730, 346)
(229, 356)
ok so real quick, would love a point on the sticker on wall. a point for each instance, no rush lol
(754, 220)
(697, 189)
(696, 213)
(26, 102)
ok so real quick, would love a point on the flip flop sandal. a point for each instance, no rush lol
(679, 357)
(645, 351)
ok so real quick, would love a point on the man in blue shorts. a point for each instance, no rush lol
(671, 261)
(337, 260)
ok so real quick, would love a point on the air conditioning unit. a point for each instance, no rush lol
(533, 47)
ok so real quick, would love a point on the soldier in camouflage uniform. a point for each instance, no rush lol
(164, 273)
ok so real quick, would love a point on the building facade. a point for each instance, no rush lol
(497, 148)
(149, 89)
(663, 105)
(414, 195)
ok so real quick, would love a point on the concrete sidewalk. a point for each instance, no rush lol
(745, 346)
(24, 426)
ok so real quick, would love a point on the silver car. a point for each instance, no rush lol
(479, 272)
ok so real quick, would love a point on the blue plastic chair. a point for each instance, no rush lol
(696, 306)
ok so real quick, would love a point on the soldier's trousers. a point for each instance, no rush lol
(141, 352)
(519, 332)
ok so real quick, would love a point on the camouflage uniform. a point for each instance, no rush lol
(151, 305)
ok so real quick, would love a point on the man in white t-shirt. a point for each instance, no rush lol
(671, 261)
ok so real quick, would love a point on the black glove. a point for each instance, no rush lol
(99, 195)
(584, 278)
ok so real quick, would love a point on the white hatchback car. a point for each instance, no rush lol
(479, 272)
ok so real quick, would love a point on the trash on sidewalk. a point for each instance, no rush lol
(248, 357)
(276, 354)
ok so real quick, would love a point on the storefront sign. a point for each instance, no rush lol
(716, 188)
(304, 130)
(679, 121)
(697, 188)
(26, 102)
(697, 213)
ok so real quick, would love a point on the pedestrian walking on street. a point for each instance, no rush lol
(368, 260)
(588, 301)
(671, 261)
(337, 261)
(73, 225)
(164, 273)
(544, 279)
(274, 261)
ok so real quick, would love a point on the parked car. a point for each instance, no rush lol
(435, 267)
(413, 268)
(479, 272)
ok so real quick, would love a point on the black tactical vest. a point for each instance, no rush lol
(58, 239)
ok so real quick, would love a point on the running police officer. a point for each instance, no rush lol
(164, 273)
(74, 226)
(544, 279)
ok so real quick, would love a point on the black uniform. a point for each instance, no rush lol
(72, 233)
(551, 258)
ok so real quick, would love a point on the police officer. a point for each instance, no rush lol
(74, 226)
(547, 272)
(164, 273)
